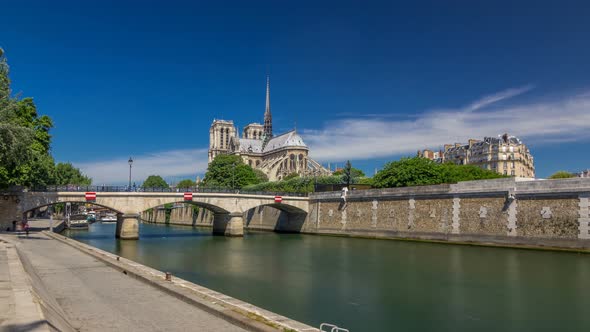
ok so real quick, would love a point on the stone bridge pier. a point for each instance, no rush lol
(127, 226)
(228, 224)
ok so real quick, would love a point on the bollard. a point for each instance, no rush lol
(168, 276)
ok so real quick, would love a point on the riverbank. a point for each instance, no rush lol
(99, 292)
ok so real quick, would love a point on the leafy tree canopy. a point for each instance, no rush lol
(25, 141)
(419, 171)
(291, 176)
(260, 175)
(562, 175)
(354, 172)
(229, 171)
(154, 181)
(66, 173)
(186, 183)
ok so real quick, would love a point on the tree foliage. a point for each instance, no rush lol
(229, 171)
(154, 181)
(25, 141)
(291, 176)
(296, 185)
(66, 173)
(186, 183)
(419, 171)
(562, 175)
(354, 172)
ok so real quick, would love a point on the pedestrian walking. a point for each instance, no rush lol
(27, 229)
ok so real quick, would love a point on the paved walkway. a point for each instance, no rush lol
(19, 308)
(96, 297)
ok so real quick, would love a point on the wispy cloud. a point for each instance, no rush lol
(169, 164)
(364, 137)
(558, 120)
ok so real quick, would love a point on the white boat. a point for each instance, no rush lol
(109, 217)
(77, 221)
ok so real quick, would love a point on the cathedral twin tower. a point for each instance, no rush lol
(276, 156)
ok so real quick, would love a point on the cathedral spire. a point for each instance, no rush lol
(267, 114)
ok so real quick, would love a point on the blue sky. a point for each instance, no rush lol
(368, 81)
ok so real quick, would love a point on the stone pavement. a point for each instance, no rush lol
(96, 297)
(19, 308)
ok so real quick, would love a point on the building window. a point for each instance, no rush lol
(512, 172)
(505, 172)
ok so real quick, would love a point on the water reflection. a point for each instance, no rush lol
(372, 285)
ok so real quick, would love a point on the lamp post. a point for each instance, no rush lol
(130, 163)
(233, 176)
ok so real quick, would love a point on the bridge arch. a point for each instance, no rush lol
(64, 202)
(277, 217)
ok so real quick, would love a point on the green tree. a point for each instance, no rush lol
(408, 172)
(355, 172)
(66, 173)
(186, 183)
(422, 171)
(291, 176)
(260, 176)
(24, 138)
(229, 171)
(154, 181)
(561, 175)
(452, 173)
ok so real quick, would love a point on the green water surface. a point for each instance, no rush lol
(371, 285)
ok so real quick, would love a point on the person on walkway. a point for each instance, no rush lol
(27, 229)
(14, 225)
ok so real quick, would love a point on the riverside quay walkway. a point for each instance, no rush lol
(64, 285)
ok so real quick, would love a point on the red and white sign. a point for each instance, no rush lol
(188, 196)
(90, 196)
(278, 199)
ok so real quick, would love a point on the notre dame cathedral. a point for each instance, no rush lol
(276, 156)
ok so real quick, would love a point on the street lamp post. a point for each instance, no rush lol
(130, 163)
(233, 176)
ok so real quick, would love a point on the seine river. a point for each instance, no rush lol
(371, 285)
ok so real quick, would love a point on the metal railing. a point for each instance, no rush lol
(331, 328)
(71, 188)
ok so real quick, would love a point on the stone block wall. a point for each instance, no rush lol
(505, 211)
(9, 210)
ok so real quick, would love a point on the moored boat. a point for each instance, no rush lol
(77, 221)
(109, 217)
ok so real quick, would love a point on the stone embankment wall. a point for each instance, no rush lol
(504, 211)
(9, 209)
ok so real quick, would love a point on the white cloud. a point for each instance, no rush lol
(171, 165)
(558, 120)
(367, 137)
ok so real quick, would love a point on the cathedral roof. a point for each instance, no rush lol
(250, 145)
(288, 139)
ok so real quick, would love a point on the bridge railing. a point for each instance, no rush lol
(72, 188)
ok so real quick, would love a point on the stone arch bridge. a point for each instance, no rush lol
(228, 208)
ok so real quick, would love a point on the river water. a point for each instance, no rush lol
(371, 285)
